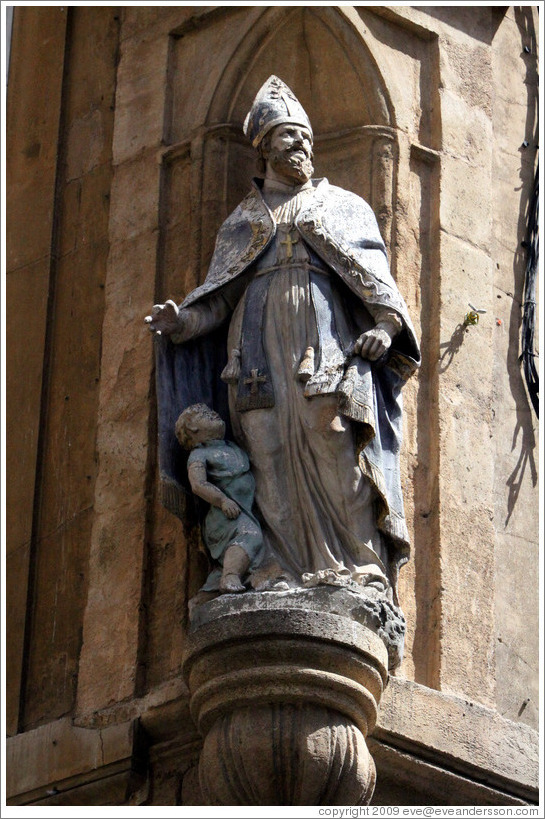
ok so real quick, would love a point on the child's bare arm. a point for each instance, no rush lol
(202, 487)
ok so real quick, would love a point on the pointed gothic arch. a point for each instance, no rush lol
(321, 53)
(317, 51)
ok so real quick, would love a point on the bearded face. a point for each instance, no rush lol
(289, 154)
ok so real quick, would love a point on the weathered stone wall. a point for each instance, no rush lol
(129, 164)
(514, 428)
(31, 183)
(61, 121)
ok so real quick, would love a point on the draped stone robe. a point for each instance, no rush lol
(324, 450)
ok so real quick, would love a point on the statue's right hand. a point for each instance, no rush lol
(230, 509)
(165, 318)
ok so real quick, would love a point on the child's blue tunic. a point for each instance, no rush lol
(227, 467)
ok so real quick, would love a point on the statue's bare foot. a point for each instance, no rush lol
(231, 584)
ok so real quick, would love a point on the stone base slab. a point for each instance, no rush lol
(372, 610)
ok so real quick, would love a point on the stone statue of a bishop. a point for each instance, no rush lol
(318, 345)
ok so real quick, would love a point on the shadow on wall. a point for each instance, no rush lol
(452, 346)
(523, 434)
(483, 22)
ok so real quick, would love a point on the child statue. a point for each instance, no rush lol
(219, 473)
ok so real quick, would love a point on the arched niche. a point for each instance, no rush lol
(320, 52)
(321, 55)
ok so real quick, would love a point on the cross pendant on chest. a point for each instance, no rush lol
(289, 242)
(254, 381)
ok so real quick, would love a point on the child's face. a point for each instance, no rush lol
(202, 430)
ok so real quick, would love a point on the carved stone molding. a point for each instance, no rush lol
(285, 688)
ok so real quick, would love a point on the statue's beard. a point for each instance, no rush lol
(288, 164)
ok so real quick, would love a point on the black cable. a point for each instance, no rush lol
(529, 307)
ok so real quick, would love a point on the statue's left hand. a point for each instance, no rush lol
(373, 344)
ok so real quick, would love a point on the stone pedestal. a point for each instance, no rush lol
(285, 687)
